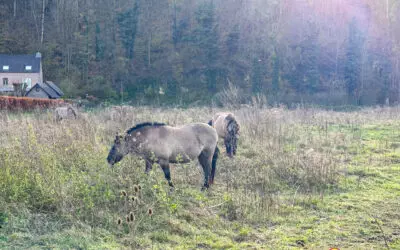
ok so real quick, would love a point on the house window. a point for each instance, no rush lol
(28, 82)
(5, 81)
(28, 67)
(6, 67)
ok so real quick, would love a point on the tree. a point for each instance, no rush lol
(99, 46)
(311, 56)
(175, 29)
(232, 42)
(256, 76)
(206, 39)
(128, 28)
(275, 74)
(352, 69)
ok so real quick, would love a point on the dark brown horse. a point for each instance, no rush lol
(163, 144)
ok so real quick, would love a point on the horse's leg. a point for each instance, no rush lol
(165, 167)
(205, 159)
(214, 164)
(227, 142)
(234, 145)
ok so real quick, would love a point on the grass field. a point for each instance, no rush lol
(303, 178)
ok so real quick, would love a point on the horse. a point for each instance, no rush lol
(163, 144)
(66, 112)
(227, 128)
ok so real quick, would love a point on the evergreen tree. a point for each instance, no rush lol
(128, 28)
(256, 76)
(311, 56)
(232, 42)
(382, 70)
(352, 69)
(175, 31)
(206, 39)
(275, 74)
(100, 46)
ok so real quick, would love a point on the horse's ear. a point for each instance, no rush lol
(118, 138)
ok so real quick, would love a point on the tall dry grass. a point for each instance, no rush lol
(60, 168)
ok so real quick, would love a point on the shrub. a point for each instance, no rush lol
(12, 103)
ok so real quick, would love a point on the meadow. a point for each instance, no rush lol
(302, 178)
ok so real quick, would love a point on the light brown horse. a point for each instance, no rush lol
(163, 144)
(227, 128)
(66, 112)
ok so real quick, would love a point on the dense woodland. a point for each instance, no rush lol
(330, 52)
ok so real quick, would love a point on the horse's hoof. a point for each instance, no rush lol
(204, 188)
(171, 190)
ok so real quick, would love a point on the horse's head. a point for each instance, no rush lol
(232, 137)
(118, 150)
(233, 127)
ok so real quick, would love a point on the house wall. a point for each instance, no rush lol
(20, 77)
(37, 94)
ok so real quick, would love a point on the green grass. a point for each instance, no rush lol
(312, 181)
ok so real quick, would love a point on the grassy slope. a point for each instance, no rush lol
(362, 210)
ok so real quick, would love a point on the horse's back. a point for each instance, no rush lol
(188, 140)
(197, 131)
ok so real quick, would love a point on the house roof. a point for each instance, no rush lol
(55, 88)
(48, 89)
(17, 63)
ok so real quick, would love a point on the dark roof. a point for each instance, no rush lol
(52, 93)
(55, 88)
(145, 124)
(17, 63)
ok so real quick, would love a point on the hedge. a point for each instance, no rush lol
(26, 103)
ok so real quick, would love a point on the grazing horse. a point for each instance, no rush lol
(66, 112)
(163, 144)
(227, 128)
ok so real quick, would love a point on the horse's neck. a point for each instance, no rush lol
(137, 141)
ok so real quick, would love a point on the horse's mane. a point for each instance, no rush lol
(231, 119)
(145, 124)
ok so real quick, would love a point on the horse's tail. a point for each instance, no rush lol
(214, 164)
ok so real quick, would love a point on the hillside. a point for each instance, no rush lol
(330, 52)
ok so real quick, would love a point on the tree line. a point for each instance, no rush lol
(330, 52)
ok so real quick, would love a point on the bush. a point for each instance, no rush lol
(230, 97)
(12, 103)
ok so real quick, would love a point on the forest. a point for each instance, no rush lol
(314, 86)
(331, 52)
